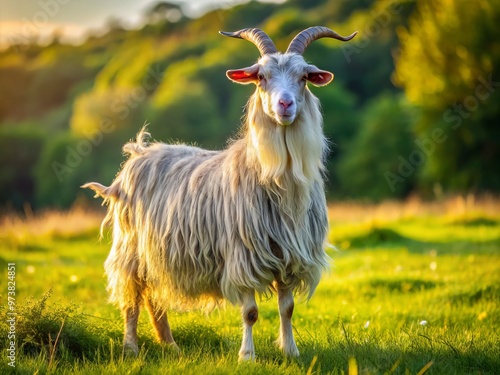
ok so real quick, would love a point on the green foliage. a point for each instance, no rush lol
(68, 161)
(116, 109)
(249, 15)
(38, 325)
(185, 108)
(376, 236)
(171, 73)
(20, 149)
(34, 84)
(450, 84)
(341, 123)
(56, 82)
(191, 119)
(15, 78)
(55, 185)
(365, 64)
(372, 162)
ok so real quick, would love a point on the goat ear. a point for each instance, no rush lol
(319, 77)
(245, 75)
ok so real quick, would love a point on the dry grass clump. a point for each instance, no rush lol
(76, 222)
(469, 206)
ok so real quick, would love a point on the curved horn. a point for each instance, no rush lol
(257, 37)
(306, 37)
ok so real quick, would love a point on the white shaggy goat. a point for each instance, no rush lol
(192, 226)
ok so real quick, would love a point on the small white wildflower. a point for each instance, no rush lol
(73, 278)
(30, 269)
(367, 324)
(433, 266)
(423, 323)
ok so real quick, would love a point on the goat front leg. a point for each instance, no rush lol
(286, 341)
(250, 314)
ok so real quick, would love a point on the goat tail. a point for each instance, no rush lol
(140, 145)
(109, 194)
(101, 190)
(131, 148)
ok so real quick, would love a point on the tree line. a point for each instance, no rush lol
(412, 109)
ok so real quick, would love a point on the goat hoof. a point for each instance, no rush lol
(288, 350)
(130, 350)
(246, 356)
(292, 352)
(172, 348)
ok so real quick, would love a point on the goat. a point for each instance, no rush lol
(192, 227)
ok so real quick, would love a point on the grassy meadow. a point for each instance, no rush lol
(414, 288)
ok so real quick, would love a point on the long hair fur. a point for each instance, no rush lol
(193, 226)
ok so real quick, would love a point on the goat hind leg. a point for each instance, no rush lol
(131, 310)
(159, 320)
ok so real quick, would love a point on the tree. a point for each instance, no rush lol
(164, 10)
(446, 63)
(68, 161)
(21, 147)
(184, 108)
(381, 161)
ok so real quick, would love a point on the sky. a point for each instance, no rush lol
(21, 20)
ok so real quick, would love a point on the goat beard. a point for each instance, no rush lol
(290, 159)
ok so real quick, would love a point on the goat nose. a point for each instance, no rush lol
(285, 103)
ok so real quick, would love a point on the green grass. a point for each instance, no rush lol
(413, 294)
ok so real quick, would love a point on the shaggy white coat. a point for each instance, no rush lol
(196, 225)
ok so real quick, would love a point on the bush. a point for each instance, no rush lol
(68, 161)
(371, 167)
(341, 124)
(185, 109)
(43, 330)
(114, 109)
(453, 85)
(20, 149)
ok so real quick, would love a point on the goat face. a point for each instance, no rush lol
(281, 83)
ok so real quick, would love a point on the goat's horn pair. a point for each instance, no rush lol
(297, 45)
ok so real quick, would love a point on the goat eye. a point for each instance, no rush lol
(261, 77)
(304, 78)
